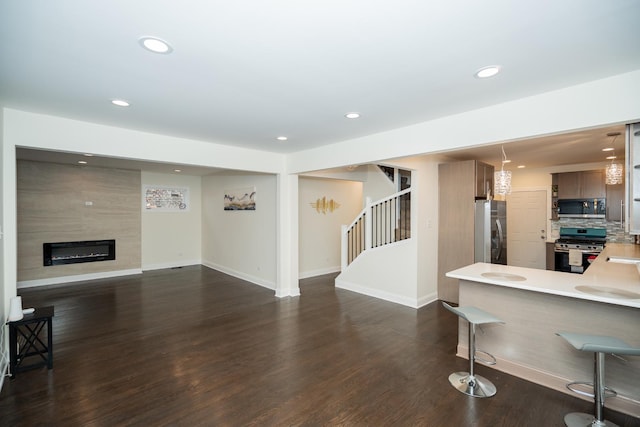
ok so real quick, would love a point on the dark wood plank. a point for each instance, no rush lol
(193, 346)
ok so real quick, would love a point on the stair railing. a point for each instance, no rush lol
(380, 223)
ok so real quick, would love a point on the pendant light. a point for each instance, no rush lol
(614, 171)
(502, 178)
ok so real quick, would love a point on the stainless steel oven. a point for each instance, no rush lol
(577, 248)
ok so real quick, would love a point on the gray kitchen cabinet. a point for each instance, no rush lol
(581, 185)
(593, 186)
(551, 255)
(459, 185)
(569, 185)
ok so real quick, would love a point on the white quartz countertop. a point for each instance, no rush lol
(604, 281)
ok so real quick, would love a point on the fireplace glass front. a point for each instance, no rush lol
(77, 252)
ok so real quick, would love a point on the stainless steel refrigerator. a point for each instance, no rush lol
(490, 240)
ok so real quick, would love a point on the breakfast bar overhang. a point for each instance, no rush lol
(535, 304)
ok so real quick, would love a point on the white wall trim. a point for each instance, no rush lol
(587, 105)
(240, 275)
(427, 299)
(76, 278)
(319, 272)
(376, 293)
(619, 403)
(4, 353)
(173, 264)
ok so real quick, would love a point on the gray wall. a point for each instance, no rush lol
(53, 206)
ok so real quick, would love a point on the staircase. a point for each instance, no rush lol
(379, 254)
(380, 223)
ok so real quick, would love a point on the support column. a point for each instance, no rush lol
(287, 236)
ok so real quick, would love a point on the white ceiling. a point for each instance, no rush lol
(244, 72)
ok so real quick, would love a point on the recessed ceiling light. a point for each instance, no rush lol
(120, 102)
(177, 170)
(608, 149)
(155, 45)
(282, 138)
(353, 115)
(521, 166)
(486, 72)
(82, 162)
(506, 161)
(88, 155)
(611, 157)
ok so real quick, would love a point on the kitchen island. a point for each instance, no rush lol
(535, 304)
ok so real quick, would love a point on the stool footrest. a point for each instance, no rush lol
(608, 392)
(490, 361)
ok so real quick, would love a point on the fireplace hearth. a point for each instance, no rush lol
(77, 252)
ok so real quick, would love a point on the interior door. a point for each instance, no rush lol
(527, 223)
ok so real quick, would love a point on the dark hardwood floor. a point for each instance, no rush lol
(193, 346)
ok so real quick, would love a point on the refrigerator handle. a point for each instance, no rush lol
(500, 239)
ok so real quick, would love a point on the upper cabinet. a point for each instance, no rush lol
(484, 180)
(581, 185)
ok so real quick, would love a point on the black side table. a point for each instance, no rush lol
(26, 332)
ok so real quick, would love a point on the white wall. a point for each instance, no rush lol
(394, 279)
(377, 185)
(319, 233)
(172, 239)
(424, 202)
(40, 131)
(240, 243)
(7, 291)
(9, 220)
(3, 294)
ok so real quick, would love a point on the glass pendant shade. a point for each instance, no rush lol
(613, 174)
(502, 182)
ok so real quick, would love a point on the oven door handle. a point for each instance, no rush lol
(584, 251)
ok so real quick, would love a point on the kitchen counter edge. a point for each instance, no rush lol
(601, 274)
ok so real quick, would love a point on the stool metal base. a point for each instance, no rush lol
(579, 419)
(476, 386)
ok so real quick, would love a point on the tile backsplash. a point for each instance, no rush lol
(615, 233)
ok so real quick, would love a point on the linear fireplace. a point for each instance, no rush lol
(76, 252)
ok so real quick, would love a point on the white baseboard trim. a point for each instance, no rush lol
(4, 370)
(376, 293)
(319, 272)
(174, 264)
(4, 354)
(255, 280)
(554, 382)
(427, 299)
(76, 278)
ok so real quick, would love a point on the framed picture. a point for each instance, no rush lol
(240, 199)
(165, 199)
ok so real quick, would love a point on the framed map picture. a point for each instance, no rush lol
(165, 199)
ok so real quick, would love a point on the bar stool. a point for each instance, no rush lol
(468, 382)
(599, 345)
